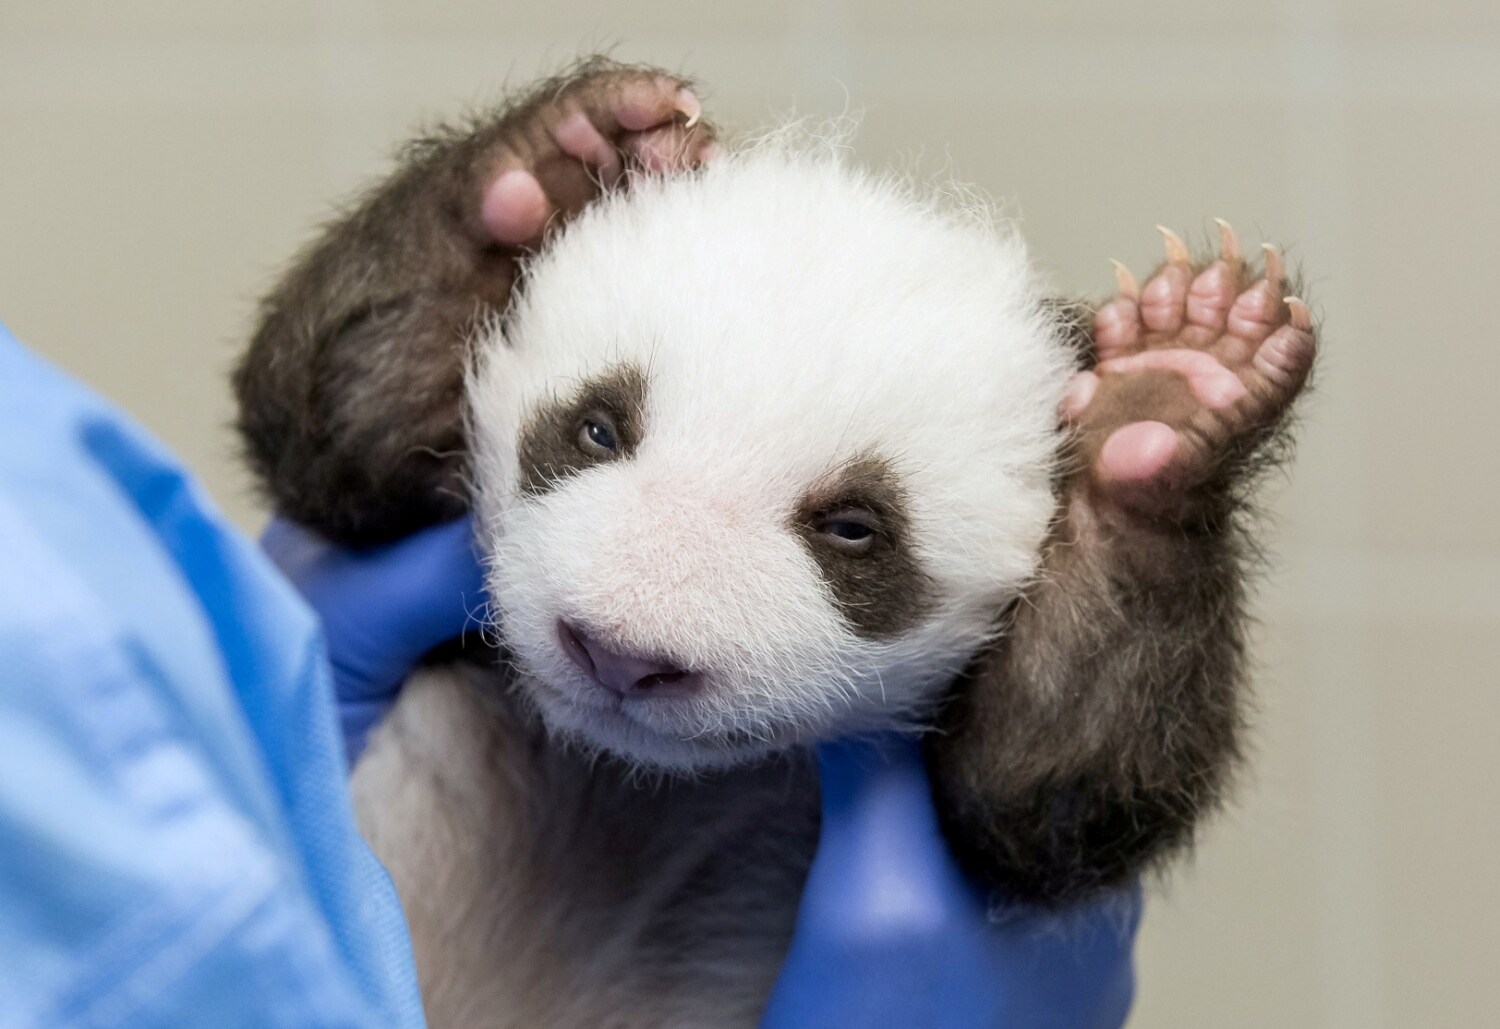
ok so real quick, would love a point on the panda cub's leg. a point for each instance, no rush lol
(351, 392)
(1085, 746)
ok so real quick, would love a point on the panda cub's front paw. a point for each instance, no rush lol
(577, 135)
(1194, 370)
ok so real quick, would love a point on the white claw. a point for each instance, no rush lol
(689, 107)
(1301, 316)
(1125, 282)
(1275, 267)
(1229, 242)
(1177, 251)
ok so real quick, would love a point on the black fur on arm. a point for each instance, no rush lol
(351, 392)
(1086, 747)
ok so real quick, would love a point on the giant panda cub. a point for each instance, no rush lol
(763, 450)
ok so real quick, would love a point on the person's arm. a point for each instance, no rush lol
(176, 839)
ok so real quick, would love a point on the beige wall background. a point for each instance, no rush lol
(159, 160)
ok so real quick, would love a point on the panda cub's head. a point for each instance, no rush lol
(760, 456)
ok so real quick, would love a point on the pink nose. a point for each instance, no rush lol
(627, 675)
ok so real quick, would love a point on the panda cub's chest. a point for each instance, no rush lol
(547, 887)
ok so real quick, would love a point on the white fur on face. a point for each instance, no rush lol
(789, 316)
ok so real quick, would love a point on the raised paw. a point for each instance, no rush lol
(1195, 367)
(580, 134)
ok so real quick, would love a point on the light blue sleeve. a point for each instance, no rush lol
(177, 846)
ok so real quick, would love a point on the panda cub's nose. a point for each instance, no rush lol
(620, 672)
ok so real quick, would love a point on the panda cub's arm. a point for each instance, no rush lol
(351, 391)
(1085, 747)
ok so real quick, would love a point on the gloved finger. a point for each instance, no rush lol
(1070, 967)
(882, 865)
(440, 582)
(412, 594)
(1103, 952)
(292, 547)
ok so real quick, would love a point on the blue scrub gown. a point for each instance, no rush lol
(176, 840)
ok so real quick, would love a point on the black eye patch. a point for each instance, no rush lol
(855, 525)
(601, 421)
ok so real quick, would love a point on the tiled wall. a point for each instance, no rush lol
(159, 160)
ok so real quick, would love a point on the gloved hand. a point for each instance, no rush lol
(891, 933)
(382, 608)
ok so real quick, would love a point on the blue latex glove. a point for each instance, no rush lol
(382, 608)
(891, 933)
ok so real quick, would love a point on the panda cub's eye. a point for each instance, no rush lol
(852, 530)
(598, 435)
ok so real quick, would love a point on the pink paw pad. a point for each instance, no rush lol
(1117, 325)
(579, 138)
(1285, 357)
(1212, 383)
(661, 149)
(1163, 296)
(1211, 296)
(1080, 391)
(515, 208)
(1138, 451)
